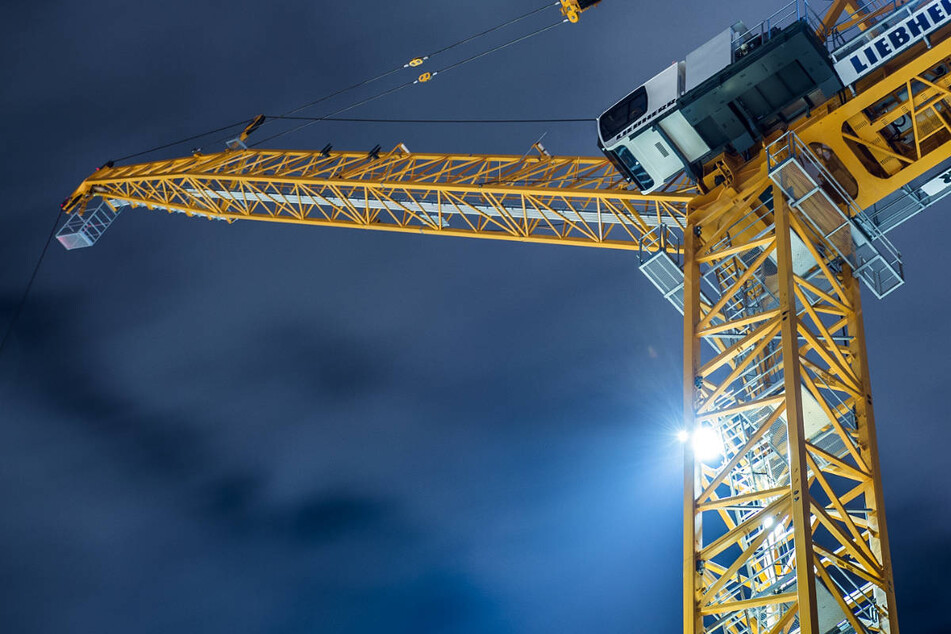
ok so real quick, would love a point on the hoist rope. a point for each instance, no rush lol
(29, 284)
(185, 140)
(494, 28)
(501, 46)
(469, 121)
(329, 116)
(424, 57)
(312, 120)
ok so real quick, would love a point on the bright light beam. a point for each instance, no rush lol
(706, 444)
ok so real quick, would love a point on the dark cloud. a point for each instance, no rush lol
(258, 428)
(332, 516)
(241, 501)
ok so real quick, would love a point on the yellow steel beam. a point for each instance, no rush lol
(778, 324)
(567, 200)
(693, 526)
(868, 440)
(736, 606)
(836, 124)
(799, 472)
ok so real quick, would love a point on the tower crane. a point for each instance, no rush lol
(757, 180)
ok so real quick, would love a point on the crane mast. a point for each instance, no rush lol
(763, 251)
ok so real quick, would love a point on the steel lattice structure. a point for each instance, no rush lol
(784, 528)
(783, 385)
(574, 200)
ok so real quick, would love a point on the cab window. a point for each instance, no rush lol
(637, 171)
(623, 114)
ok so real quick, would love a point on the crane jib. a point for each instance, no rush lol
(918, 26)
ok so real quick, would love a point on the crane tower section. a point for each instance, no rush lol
(784, 519)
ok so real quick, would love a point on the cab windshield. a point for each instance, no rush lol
(623, 114)
(637, 171)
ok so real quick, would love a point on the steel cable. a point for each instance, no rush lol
(436, 121)
(424, 57)
(366, 82)
(29, 284)
(313, 120)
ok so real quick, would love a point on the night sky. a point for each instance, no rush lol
(264, 428)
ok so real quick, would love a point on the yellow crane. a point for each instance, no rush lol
(761, 241)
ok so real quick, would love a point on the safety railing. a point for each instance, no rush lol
(751, 38)
(833, 214)
(856, 30)
(84, 230)
(912, 199)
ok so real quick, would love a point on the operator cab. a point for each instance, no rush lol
(728, 95)
(645, 135)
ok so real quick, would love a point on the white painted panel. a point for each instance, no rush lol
(684, 135)
(656, 156)
(710, 58)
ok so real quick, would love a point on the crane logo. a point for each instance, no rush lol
(916, 27)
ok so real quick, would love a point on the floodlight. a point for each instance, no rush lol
(706, 444)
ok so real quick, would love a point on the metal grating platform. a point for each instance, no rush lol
(826, 206)
(667, 276)
(82, 231)
(909, 201)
